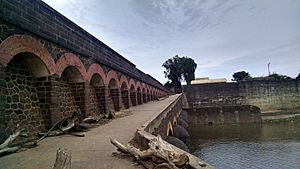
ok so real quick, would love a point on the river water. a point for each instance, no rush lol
(254, 146)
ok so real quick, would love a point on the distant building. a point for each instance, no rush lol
(204, 80)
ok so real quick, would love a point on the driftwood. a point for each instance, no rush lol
(4, 147)
(71, 123)
(160, 152)
(93, 119)
(63, 159)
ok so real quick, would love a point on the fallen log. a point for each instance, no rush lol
(4, 147)
(160, 152)
(72, 120)
(93, 119)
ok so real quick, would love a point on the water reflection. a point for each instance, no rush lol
(247, 145)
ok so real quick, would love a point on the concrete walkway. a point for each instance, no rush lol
(92, 151)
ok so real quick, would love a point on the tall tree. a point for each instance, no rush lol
(189, 67)
(240, 76)
(179, 68)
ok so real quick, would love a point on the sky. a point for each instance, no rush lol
(222, 36)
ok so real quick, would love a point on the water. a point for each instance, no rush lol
(254, 146)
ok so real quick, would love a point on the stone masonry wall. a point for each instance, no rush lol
(114, 95)
(125, 98)
(22, 102)
(78, 94)
(224, 114)
(133, 98)
(94, 103)
(63, 100)
(267, 95)
(43, 85)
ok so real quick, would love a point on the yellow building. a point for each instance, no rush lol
(204, 80)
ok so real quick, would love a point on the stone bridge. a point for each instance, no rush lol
(50, 67)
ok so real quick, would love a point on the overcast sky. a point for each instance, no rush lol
(222, 36)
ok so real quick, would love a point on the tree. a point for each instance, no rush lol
(189, 67)
(179, 68)
(298, 77)
(240, 76)
(276, 76)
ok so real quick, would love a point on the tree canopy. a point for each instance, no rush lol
(240, 76)
(178, 69)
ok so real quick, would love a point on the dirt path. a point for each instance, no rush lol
(92, 151)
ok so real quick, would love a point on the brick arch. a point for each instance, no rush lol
(124, 79)
(144, 89)
(16, 44)
(69, 59)
(95, 69)
(112, 75)
(138, 84)
(131, 82)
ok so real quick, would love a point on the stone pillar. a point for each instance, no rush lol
(87, 103)
(55, 114)
(3, 134)
(121, 105)
(129, 99)
(109, 101)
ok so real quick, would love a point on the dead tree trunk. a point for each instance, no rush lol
(4, 147)
(63, 160)
(158, 151)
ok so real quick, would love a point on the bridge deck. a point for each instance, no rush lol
(92, 151)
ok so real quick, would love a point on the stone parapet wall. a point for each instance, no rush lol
(159, 125)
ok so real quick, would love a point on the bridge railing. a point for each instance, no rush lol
(154, 127)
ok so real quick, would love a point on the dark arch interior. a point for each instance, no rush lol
(97, 80)
(132, 95)
(25, 75)
(112, 84)
(72, 75)
(170, 132)
(144, 95)
(71, 92)
(139, 96)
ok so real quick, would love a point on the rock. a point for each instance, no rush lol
(184, 115)
(177, 142)
(180, 132)
(182, 123)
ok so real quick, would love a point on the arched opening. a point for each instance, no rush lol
(27, 93)
(139, 95)
(132, 95)
(169, 129)
(144, 96)
(124, 94)
(97, 95)
(70, 93)
(114, 94)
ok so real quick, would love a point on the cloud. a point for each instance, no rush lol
(221, 36)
